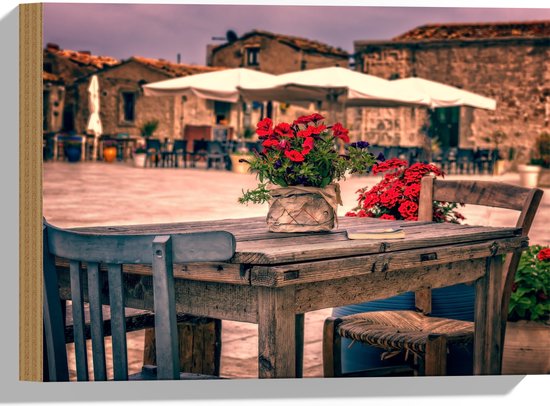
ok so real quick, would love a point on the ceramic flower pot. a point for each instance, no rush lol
(297, 209)
(74, 153)
(139, 160)
(109, 154)
(529, 175)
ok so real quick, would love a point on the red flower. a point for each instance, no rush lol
(389, 199)
(341, 132)
(270, 143)
(408, 209)
(307, 146)
(412, 191)
(387, 165)
(544, 254)
(387, 217)
(316, 130)
(308, 119)
(284, 130)
(294, 156)
(283, 144)
(264, 128)
(304, 133)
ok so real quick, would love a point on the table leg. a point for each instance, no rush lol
(276, 333)
(487, 338)
(299, 325)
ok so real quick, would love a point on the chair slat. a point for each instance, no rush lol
(81, 353)
(118, 323)
(55, 349)
(96, 321)
(166, 331)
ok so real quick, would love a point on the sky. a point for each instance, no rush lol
(163, 31)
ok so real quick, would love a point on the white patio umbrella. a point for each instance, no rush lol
(94, 122)
(218, 85)
(441, 95)
(334, 86)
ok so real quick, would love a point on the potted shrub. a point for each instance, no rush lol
(298, 172)
(530, 173)
(109, 151)
(73, 149)
(527, 341)
(148, 128)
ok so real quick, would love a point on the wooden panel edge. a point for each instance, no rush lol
(30, 192)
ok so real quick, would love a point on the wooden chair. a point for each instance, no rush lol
(99, 287)
(416, 331)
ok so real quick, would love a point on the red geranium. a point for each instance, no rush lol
(307, 146)
(264, 128)
(387, 217)
(544, 254)
(397, 194)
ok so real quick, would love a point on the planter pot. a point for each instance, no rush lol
(297, 209)
(139, 160)
(529, 175)
(109, 154)
(501, 166)
(544, 179)
(239, 167)
(74, 153)
(526, 348)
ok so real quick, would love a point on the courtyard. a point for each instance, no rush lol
(94, 194)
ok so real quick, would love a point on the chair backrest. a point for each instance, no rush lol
(113, 251)
(482, 193)
(214, 147)
(180, 145)
(152, 143)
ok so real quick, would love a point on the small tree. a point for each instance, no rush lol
(148, 128)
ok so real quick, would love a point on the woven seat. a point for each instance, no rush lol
(402, 330)
(414, 331)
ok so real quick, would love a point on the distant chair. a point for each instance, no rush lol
(111, 251)
(179, 149)
(199, 151)
(216, 155)
(154, 154)
(465, 161)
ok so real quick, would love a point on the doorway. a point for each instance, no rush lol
(444, 126)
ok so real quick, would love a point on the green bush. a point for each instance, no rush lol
(530, 292)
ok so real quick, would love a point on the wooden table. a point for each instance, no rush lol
(274, 278)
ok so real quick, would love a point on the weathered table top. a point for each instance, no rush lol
(271, 259)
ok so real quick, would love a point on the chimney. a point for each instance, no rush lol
(178, 58)
(51, 46)
(85, 52)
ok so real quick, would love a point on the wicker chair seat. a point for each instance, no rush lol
(402, 330)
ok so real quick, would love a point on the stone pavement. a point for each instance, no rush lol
(87, 194)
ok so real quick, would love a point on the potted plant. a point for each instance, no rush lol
(527, 340)
(298, 172)
(139, 156)
(148, 128)
(73, 149)
(530, 173)
(109, 151)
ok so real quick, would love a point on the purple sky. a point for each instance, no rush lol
(163, 31)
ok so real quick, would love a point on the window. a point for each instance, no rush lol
(252, 56)
(128, 106)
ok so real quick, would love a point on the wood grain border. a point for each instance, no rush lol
(30, 192)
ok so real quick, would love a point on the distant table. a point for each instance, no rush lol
(274, 278)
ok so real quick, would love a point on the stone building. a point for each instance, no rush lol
(275, 54)
(124, 108)
(505, 61)
(61, 67)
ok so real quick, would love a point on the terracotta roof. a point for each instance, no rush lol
(50, 77)
(296, 42)
(174, 69)
(477, 31)
(84, 58)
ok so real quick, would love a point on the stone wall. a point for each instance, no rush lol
(514, 72)
(274, 57)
